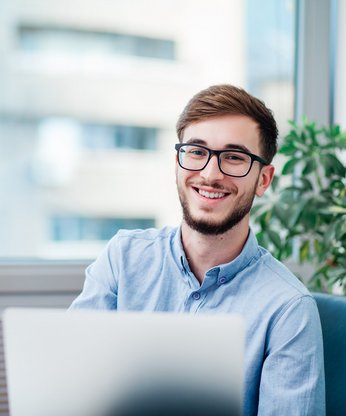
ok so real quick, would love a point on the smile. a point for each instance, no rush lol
(210, 195)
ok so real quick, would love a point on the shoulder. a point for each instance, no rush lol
(280, 298)
(273, 289)
(131, 250)
(279, 277)
(128, 239)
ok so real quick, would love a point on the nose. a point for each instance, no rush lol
(212, 171)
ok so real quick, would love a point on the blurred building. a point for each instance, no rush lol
(90, 92)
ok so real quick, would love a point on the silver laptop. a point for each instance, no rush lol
(104, 363)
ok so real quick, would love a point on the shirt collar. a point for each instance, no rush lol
(248, 253)
(227, 270)
(179, 252)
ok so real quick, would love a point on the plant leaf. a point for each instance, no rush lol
(306, 184)
(281, 214)
(274, 237)
(289, 166)
(304, 251)
(333, 165)
(296, 212)
(288, 149)
(310, 166)
(275, 182)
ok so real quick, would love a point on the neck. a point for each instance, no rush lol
(207, 251)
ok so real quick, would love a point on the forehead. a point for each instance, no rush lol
(220, 133)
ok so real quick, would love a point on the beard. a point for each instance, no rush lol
(209, 227)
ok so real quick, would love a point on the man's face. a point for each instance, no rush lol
(212, 202)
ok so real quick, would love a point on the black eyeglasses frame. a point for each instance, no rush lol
(217, 153)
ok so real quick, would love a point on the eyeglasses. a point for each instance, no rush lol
(235, 163)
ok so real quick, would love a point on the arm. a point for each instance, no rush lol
(100, 286)
(292, 380)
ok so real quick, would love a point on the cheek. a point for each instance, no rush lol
(179, 176)
(178, 173)
(242, 187)
(237, 186)
(183, 176)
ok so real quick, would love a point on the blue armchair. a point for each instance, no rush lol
(332, 310)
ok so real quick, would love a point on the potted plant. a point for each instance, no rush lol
(304, 217)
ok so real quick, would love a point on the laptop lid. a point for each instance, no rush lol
(106, 363)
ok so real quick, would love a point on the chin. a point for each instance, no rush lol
(213, 227)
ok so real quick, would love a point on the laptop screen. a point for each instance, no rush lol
(106, 363)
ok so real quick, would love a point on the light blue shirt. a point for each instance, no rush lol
(147, 270)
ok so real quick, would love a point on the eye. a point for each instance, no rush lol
(196, 151)
(235, 157)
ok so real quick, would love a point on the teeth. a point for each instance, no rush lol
(211, 195)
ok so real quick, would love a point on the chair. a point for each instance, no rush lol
(332, 310)
(4, 410)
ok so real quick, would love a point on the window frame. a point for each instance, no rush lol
(27, 283)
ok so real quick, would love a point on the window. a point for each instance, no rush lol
(340, 65)
(85, 42)
(89, 101)
(98, 136)
(84, 228)
(270, 55)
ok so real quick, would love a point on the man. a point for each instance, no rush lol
(212, 263)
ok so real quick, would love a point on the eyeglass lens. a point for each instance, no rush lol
(232, 163)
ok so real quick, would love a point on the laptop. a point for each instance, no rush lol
(106, 363)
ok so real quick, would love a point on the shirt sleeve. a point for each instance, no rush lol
(100, 285)
(292, 379)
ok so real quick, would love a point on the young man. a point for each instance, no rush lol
(212, 263)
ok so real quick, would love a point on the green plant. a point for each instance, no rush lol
(304, 217)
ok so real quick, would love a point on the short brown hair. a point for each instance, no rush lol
(219, 100)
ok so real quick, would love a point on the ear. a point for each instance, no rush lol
(265, 179)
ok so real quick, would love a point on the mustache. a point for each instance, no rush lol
(215, 185)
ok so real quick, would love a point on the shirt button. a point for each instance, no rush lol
(222, 280)
(196, 295)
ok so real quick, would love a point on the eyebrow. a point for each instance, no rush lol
(233, 146)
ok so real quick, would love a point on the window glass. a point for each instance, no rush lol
(340, 66)
(66, 40)
(270, 55)
(91, 229)
(89, 98)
